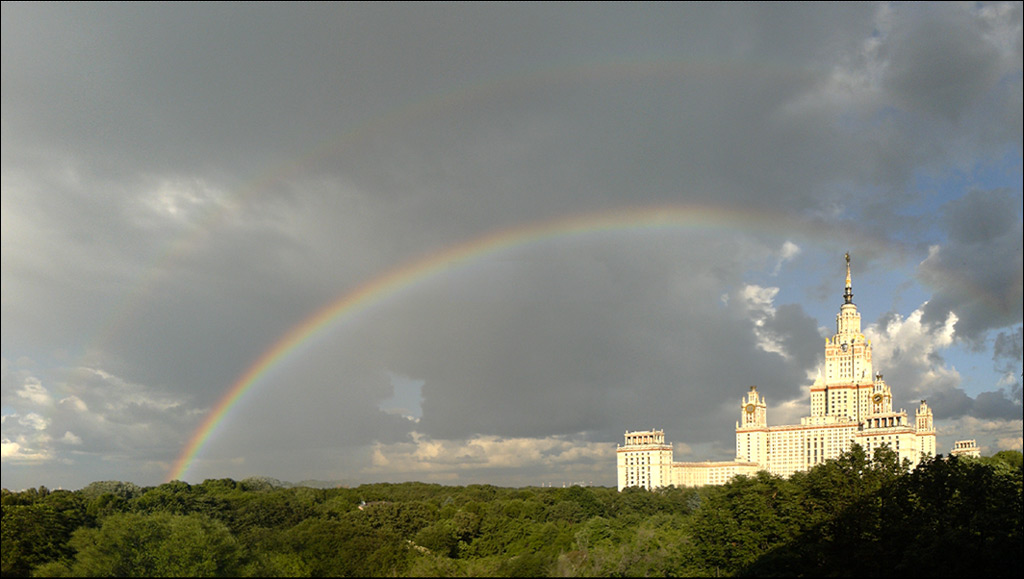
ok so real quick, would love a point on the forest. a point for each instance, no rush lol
(856, 515)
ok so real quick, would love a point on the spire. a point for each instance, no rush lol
(848, 295)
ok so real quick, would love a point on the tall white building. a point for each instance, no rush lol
(645, 460)
(849, 404)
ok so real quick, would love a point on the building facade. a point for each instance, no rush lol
(966, 448)
(645, 460)
(850, 404)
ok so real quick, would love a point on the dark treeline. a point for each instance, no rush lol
(853, 516)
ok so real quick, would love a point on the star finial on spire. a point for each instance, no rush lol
(848, 295)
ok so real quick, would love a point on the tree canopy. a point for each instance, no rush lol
(854, 515)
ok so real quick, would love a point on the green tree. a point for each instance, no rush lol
(947, 517)
(345, 548)
(125, 490)
(440, 538)
(586, 498)
(404, 519)
(1012, 459)
(277, 508)
(958, 516)
(176, 497)
(744, 519)
(31, 535)
(156, 545)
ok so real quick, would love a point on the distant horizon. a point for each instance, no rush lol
(341, 483)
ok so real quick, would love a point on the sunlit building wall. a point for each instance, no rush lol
(645, 460)
(850, 404)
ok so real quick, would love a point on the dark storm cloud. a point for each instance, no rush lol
(799, 333)
(1010, 345)
(996, 405)
(941, 61)
(1007, 358)
(955, 403)
(1008, 350)
(184, 184)
(557, 343)
(978, 273)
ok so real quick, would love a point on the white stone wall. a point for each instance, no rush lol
(645, 460)
(849, 404)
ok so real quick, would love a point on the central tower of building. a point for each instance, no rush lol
(847, 388)
(850, 404)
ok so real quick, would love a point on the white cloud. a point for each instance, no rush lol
(1009, 379)
(28, 446)
(909, 347)
(992, 435)
(75, 403)
(788, 251)
(8, 448)
(681, 449)
(1010, 443)
(25, 438)
(101, 413)
(757, 303)
(71, 438)
(120, 395)
(177, 201)
(34, 391)
(34, 421)
(15, 452)
(425, 455)
(791, 411)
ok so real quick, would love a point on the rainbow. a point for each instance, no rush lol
(415, 272)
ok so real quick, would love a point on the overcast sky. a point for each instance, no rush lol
(185, 184)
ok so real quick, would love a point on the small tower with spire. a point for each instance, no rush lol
(848, 319)
(848, 295)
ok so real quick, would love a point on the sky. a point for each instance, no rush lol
(476, 243)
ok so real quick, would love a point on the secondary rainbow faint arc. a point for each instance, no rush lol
(413, 272)
(502, 86)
